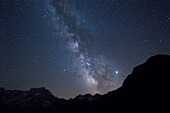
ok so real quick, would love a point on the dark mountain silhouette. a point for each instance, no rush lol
(145, 90)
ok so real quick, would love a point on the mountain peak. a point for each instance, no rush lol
(40, 91)
(155, 70)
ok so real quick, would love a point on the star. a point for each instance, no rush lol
(93, 43)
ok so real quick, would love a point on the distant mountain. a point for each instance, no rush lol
(86, 98)
(146, 89)
(18, 100)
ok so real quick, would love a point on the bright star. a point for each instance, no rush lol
(116, 72)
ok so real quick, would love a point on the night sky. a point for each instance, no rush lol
(74, 47)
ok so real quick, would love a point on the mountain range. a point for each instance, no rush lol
(145, 90)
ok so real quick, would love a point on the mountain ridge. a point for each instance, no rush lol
(146, 89)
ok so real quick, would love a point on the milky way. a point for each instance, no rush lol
(98, 73)
(74, 47)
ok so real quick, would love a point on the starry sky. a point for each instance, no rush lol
(74, 47)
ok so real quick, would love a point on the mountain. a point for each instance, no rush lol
(146, 89)
(16, 100)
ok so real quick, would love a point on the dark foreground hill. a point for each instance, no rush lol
(147, 89)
